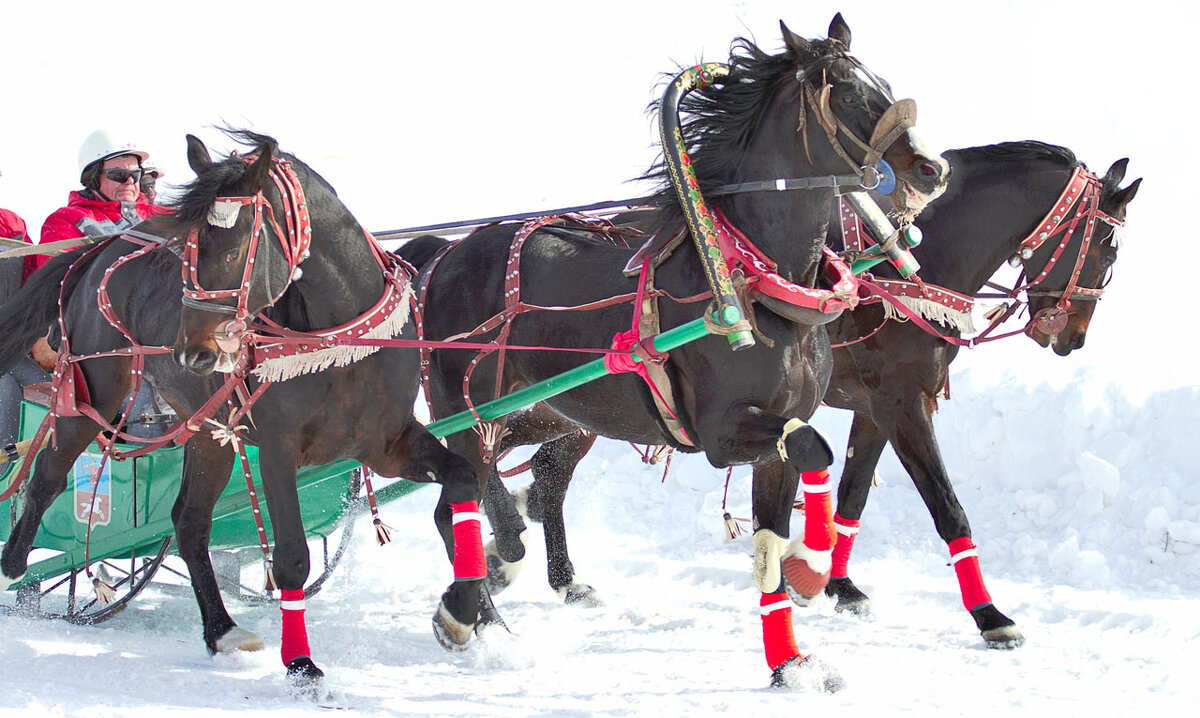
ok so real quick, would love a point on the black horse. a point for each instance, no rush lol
(890, 373)
(760, 123)
(269, 250)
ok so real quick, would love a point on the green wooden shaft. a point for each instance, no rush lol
(560, 383)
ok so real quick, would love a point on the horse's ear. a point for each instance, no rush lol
(839, 30)
(197, 155)
(259, 174)
(1124, 196)
(800, 48)
(1116, 173)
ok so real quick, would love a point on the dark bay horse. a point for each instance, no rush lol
(998, 196)
(270, 254)
(890, 373)
(759, 123)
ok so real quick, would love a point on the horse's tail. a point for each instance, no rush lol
(29, 313)
(419, 250)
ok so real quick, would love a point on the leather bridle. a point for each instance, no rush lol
(293, 238)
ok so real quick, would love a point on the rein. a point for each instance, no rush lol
(1083, 193)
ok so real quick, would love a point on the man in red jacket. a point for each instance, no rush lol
(111, 200)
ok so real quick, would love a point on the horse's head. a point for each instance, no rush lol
(246, 223)
(849, 119)
(1079, 266)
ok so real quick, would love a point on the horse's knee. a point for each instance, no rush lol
(805, 448)
(290, 566)
(458, 479)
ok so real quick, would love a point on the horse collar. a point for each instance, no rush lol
(740, 253)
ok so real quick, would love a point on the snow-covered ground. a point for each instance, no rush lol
(1078, 473)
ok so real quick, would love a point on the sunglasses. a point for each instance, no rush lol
(123, 176)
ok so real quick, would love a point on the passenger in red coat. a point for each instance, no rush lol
(111, 199)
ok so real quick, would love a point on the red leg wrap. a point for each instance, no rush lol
(469, 562)
(295, 637)
(970, 579)
(847, 531)
(819, 533)
(779, 642)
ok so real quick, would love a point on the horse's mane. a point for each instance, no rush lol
(1024, 150)
(224, 175)
(719, 120)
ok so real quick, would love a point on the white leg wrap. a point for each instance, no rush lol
(818, 561)
(5, 581)
(768, 552)
(239, 639)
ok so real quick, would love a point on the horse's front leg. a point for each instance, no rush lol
(48, 480)
(864, 447)
(774, 490)
(289, 563)
(911, 432)
(751, 435)
(206, 470)
(421, 457)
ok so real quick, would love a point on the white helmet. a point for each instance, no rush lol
(100, 146)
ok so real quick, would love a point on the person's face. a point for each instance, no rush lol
(126, 191)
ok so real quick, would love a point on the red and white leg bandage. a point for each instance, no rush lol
(965, 558)
(779, 643)
(294, 643)
(469, 561)
(847, 531)
(807, 563)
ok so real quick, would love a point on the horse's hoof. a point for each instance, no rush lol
(451, 634)
(808, 673)
(807, 582)
(304, 678)
(998, 631)
(580, 594)
(849, 598)
(500, 573)
(239, 639)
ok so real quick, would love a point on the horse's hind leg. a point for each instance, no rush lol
(506, 552)
(49, 478)
(864, 448)
(206, 470)
(553, 466)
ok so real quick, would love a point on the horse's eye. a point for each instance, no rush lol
(231, 256)
(848, 99)
(1107, 259)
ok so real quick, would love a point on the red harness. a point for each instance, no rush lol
(1081, 193)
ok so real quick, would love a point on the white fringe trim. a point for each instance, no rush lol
(284, 368)
(932, 311)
